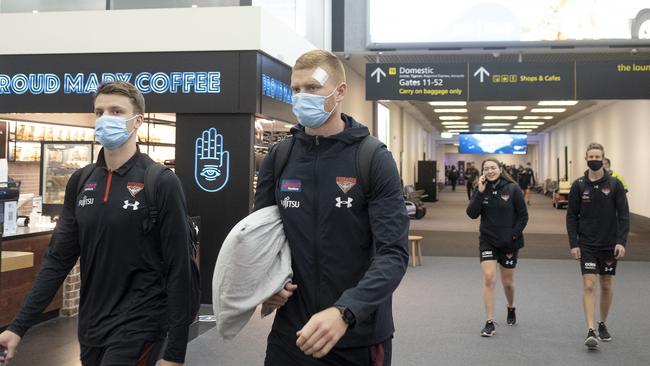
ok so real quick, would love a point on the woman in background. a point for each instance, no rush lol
(499, 202)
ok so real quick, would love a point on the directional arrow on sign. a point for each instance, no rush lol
(481, 72)
(379, 73)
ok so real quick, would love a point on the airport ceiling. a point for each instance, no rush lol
(480, 119)
(476, 112)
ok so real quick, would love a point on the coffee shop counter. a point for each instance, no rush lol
(22, 254)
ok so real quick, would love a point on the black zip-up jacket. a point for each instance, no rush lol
(526, 177)
(470, 176)
(503, 215)
(346, 249)
(598, 215)
(134, 286)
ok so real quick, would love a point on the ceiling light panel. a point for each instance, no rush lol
(548, 110)
(451, 118)
(525, 126)
(495, 124)
(450, 110)
(557, 102)
(493, 129)
(499, 117)
(538, 117)
(448, 104)
(505, 108)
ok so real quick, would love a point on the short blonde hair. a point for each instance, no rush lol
(595, 146)
(324, 59)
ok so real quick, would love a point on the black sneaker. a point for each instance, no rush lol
(512, 317)
(489, 329)
(591, 341)
(603, 334)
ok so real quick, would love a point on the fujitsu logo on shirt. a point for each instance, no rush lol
(85, 201)
(287, 203)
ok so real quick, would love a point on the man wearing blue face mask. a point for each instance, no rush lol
(135, 282)
(347, 234)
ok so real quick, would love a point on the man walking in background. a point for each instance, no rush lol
(598, 223)
(471, 175)
(526, 181)
(453, 177)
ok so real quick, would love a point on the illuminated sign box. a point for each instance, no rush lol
(276, 89)
(146, 82)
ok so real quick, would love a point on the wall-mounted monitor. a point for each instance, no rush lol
(492, 143)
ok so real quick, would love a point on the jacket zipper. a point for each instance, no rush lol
(108, 185)
(316, 243)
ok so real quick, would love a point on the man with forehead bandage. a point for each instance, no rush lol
(320, 75)
(346, 226)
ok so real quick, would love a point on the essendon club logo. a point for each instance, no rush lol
(134, 188)
(346, 183)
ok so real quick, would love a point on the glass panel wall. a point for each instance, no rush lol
(37, 6)
(152, 4)
(28, 6)
(383, 124)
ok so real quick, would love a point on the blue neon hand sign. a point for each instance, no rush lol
(211, 163)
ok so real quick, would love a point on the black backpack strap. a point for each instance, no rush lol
(151, 176)
(581, 188)
(614, 183)
(367, 149)
(282, 153)
(84, 175)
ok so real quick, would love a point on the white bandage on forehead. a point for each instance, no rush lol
(320, 75)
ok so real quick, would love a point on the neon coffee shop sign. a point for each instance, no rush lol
(181, 82)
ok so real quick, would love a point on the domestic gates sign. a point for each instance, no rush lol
(416, 81)
(494, 81)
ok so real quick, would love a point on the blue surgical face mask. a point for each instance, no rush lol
(111, 132)
(310, 109)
